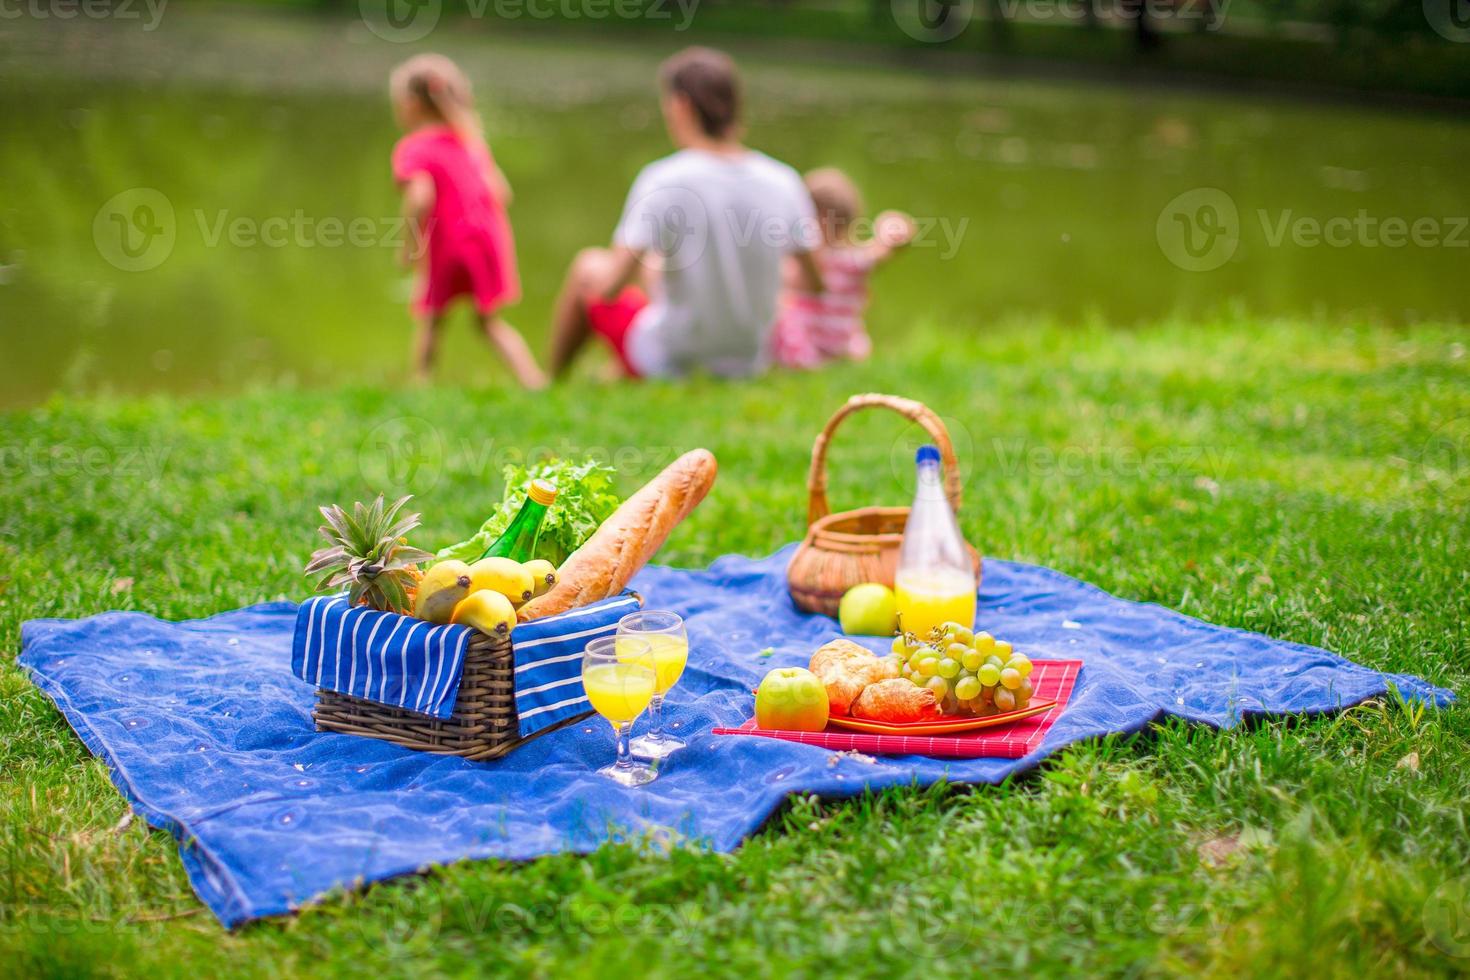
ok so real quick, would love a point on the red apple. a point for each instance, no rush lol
(791, 699)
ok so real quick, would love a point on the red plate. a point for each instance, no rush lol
(950, 725)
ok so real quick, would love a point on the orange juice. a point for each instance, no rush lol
(667, 655)
(929, 599)
(619, 692)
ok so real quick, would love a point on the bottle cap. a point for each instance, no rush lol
(542, 491)
(926, 454)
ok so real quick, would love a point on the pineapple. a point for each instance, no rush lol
(369, 553)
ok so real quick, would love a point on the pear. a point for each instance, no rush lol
(487, 611)
(509, 578)
(440, 590)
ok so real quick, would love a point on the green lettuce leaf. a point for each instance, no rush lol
(584, 499)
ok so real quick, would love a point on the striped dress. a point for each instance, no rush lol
(815, 328)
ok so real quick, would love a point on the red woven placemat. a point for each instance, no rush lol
(1050, 679)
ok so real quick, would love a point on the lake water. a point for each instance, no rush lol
(252, 241)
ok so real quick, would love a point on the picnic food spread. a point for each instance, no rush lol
(938, 669)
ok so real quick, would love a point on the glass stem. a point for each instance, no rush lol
(625, 756)
(655, 718)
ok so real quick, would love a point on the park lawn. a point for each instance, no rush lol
(1308, 480)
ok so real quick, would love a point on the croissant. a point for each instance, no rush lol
(846, 668)
(896, 700)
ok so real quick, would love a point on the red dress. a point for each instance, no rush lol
(470, 248)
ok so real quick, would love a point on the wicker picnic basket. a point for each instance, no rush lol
(856, 546)
(484, 724)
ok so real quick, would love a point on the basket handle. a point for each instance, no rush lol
(816, 480)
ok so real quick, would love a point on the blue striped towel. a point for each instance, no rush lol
(408, 663)
(549, 660)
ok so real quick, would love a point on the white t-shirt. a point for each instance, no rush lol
(722, 226)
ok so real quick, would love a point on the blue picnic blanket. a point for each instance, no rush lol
(209, 735)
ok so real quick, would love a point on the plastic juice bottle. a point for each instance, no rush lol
(935, 583)
(518, 542)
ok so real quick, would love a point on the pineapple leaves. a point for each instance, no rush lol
(368, 552)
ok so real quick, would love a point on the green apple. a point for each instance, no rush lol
(868, 610)
(791, 699)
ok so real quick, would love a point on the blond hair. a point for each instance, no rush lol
(836, 199)
(443, 91)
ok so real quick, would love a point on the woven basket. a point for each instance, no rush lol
(484, 724)
(856, 546)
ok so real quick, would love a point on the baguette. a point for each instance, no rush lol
(628, 539)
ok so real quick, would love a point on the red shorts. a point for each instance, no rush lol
(612, 318)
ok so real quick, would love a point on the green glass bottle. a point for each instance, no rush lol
(518, 543)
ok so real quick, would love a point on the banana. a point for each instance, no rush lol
(543, 575)
(442, 588)
(487, 611)
(502, 575)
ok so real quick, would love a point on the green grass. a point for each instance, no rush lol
(1304, 479)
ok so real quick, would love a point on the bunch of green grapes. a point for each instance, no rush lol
(970, 673)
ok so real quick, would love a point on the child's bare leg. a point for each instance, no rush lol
(425, 342)
(512, 346)
(590, 274)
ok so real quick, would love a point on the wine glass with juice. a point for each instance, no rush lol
(619, 680)
(668, 653)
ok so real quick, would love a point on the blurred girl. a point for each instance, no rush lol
(817, 327)
(454, 199)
